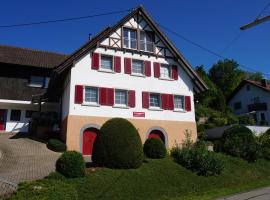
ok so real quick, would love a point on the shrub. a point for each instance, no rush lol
(154, 148)
(264, 140)
(220, 121)
(246, 120)
(239, 141)
(56, 145)
(118, 145)
(71, 164)
(46, 190)
(198, 159)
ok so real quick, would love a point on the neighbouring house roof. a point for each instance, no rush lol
(30, 57)
(244, 82)
(61, 71)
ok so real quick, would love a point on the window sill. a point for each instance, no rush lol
(121, 106)
(138, 75)
(179, 110)
(35, 86)
(106, 71)
(155, 109)
(166, 79)
(90, 104)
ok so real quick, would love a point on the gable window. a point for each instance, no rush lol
(120, 97)
(91, 95)
(130, 38)
(248, 87)
(237, 105)
(106, 62)
(146, 43)
(154, 100)
(15, 115)
(178, 102)
(137, 67)
(165, 71)
(36, 81)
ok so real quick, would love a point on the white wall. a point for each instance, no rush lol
(66, 98)
(247, 97)
(22, 125)
(82, 74)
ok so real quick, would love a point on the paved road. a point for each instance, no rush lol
(23, 159)
(259, 194)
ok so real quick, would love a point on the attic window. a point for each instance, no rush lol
(248, 87)
(130, 38)
(146, 43)
(36, 81)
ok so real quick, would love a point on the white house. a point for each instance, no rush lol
(252, 98)
(130, 70)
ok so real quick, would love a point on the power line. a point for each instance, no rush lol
(264, 9)
(231, 43)
(64, 19)
(207, 50)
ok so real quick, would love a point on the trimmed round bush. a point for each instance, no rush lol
(154, 148)
(239, 141)
(118, 145)
(56, 145)
(71, 164)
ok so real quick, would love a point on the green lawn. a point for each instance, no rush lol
(156, 179)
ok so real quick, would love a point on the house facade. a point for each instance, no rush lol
(24, 74)
(132, 71)
(252, 98)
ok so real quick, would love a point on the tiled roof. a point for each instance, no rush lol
(259, 84)
(30, 57)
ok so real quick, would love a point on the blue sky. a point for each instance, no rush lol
(211, 23)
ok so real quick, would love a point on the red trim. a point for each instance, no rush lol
(145, 99)
(131, 98)
(95, 61)
(102, 96)
(174, 72)
(147, 68)
(188, 103)
(78, 94)
(110, 96)
(127, 65)
(167, 101)
(117, 64)
(156, 70)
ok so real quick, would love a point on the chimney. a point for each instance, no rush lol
(264, 82)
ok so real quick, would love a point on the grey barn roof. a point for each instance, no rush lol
(30, 57)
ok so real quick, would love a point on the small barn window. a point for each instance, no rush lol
(15, 115)
(237, 105)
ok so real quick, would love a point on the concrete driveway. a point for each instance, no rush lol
(259, 194)
(23, 159)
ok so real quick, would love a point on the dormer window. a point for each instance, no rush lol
(147, 38)
(130, 38)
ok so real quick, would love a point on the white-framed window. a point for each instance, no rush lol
(137, 67)
(91, 95)
(130, 38)
(165, 71)
(120, 97)
(146, 43)
(154, 100)
(36, 81)
(178, 101)
(106, 62)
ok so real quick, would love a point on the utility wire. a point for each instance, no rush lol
(231, 43)
(64, 19)
(264, 9)
(206, 49)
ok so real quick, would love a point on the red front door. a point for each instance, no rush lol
(157, 134)
(3, 114)
(89, 136)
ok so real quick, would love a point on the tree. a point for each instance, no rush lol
(226, 75)
(257, 76)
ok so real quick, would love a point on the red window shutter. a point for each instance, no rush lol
(147, 68)
(145, 99)
(127, 65)
(78, 94)
(156, 70)
(131, 98)
(188, 103)
(170, 102)
(102, 96)
(117, 64)
(95, 61)
(174, 72)
(110, 96)
(164, 101)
